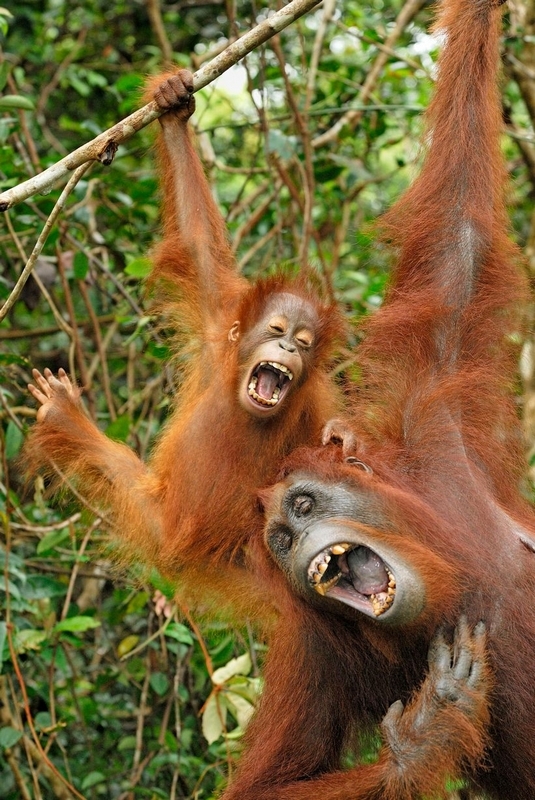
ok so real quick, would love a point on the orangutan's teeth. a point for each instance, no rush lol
(323, 588)
(338, 549)
(318, 567)
(272, 402)
(279, 367)
(376, 605)
(380, 604)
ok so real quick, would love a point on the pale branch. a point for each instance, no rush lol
(104, 146)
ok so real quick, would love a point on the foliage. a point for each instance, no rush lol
(104, 678)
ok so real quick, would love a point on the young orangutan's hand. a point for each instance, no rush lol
(49, 389)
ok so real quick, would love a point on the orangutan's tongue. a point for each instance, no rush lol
(367, 571)
(267, 381)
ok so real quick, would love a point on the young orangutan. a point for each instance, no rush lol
(256, 386)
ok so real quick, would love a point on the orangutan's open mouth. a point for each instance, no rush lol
(355, 575)
(269, 382)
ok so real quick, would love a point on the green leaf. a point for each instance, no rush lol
(242, 708)
(137, 602)
(13, 358)
(92, 779)
(248, 688)
(14, 439)
(80, 266)
(213, 719)
(175, 630)
(160, 351)
(119, 428)
(123, 198)
(236, 666)
(51, 540)
(9, 737)
(12, 588)
(170, 741)
(79, 86)
(76, 624)
(139, 268)
(165, 586)
(29, 639)
(38, 587)
(11, 101)
(127, 644)
(159, 682)
(127, 743)
(15, 564)
(43, 720)
(130, 82)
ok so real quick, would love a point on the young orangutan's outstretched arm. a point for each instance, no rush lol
(195, 247)
(105, 472)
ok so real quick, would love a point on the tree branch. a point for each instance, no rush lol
(104, 146)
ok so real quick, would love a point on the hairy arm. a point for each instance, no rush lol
(195, 249)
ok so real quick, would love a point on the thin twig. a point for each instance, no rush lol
(57, 526)
(33, 333)
(36, 252)
(308, 181)
(255, 217)
(260, 243)
(145, 643)
(79, 350)
(75, 569)
(100, 349)
(200, 638)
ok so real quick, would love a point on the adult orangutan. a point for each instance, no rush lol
(256, 386)
(370, 551)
